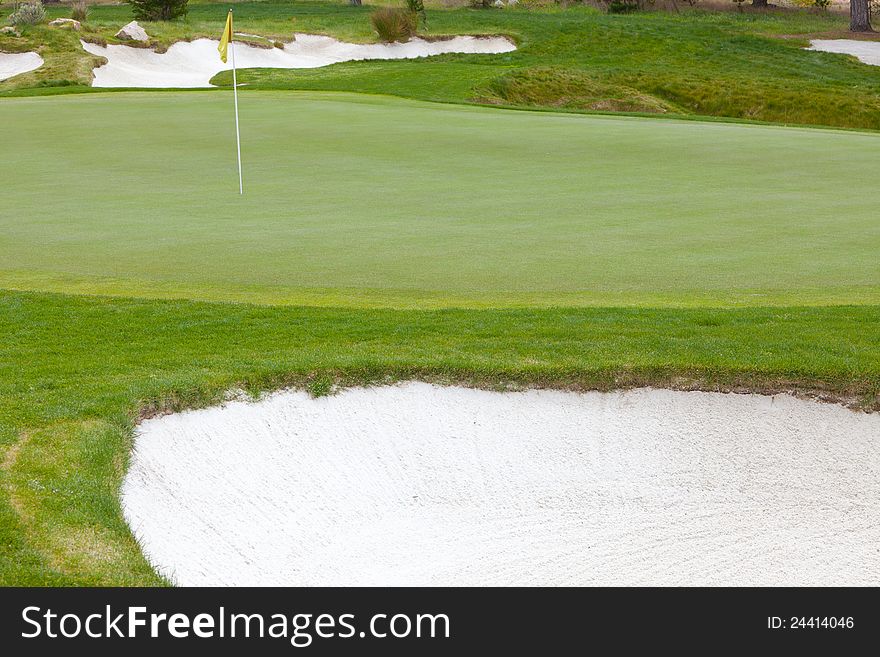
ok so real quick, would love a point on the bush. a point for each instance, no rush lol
(158, 10)
(417, 8)
(622, 6)
(79, 11)
(31, 13)
(392, 24)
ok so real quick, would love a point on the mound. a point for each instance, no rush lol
(554, 87)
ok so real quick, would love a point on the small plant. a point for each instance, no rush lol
(158, 10)
(30, 13)
(320, 386)
(79, 11)
(623, 6)
(417, 8)
(394, 24)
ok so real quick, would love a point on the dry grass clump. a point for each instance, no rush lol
(79, 11)
(570, 89)
(394, 24)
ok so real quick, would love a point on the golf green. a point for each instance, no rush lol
(373, 201)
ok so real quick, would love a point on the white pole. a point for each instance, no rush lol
(235, 94)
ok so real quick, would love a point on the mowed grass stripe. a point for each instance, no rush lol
(369, 201)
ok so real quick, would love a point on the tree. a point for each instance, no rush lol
(158, 10)
(860, 16)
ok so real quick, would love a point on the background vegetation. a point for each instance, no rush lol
(747, 65)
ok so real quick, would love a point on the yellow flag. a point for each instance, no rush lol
(226, 38)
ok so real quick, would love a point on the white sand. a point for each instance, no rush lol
(12, 64)
(417, 485)
(867, 52)
(193, 64)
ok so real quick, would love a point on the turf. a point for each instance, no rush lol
(75, 373)
(383, 202)
(383, 239)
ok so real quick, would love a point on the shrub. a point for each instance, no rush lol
(417, 9)
(393, 24)
(622, 6)
(31, 13)
(79, 11)
(158, 10)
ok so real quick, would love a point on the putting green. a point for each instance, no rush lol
(376, 201)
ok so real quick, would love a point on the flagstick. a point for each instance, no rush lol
(235, 94)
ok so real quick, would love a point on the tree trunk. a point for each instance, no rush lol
(860, 16)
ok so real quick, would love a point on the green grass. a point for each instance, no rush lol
(383, 239)
(74, 373)
(370, 201)
(696, 62)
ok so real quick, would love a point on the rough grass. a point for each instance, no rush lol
(66, 64)
(393, 24)
(568, 89)
(76, 372)
(700, 62)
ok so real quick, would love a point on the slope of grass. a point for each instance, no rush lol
(74, 372)
(568, 89)
(701, 62)
(359, 201)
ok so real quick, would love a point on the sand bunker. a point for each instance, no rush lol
(193, 64)
(418, 485)
(867, 52)
(12, 64)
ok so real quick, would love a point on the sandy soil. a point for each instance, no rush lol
(418, 485)
(193, 64)
(12, 64)
(867, 52)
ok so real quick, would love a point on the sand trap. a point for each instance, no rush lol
(867, 52)
(12, 64)
(417, 485)
(193, 64)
